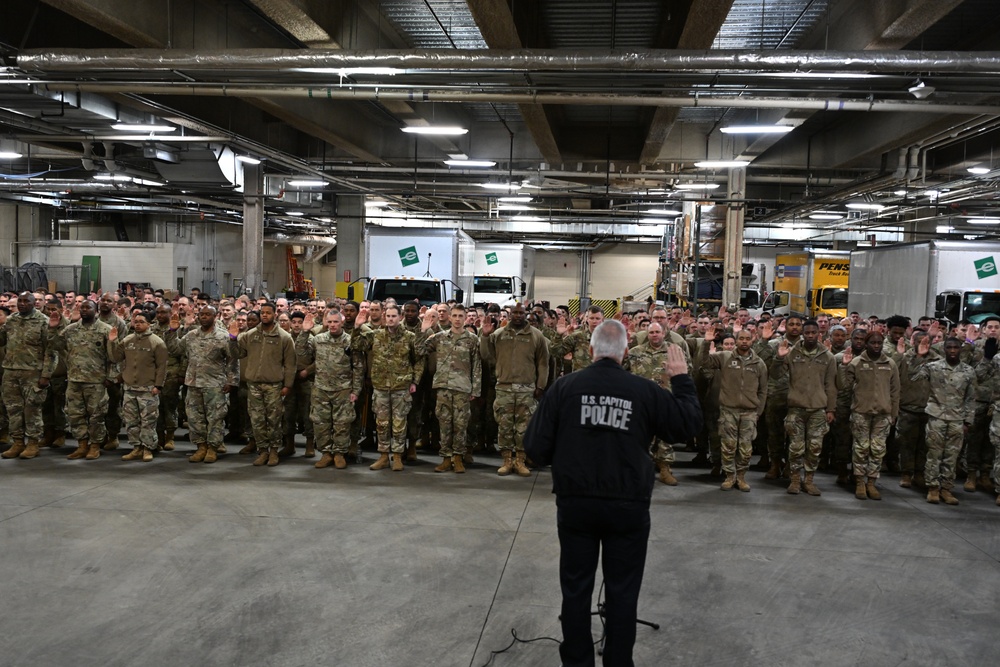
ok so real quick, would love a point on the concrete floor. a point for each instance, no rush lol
(172, 563)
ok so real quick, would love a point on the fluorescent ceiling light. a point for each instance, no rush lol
(823, 75)
(864, 206)
(979, 171)
(500, 186)
(341, 71)
(143, 181)
(721, 164)
(662, 211)
(246, 159)
(376, 203)
(140, 127)
(515, 200)
(297, 214)
(899, 193)
(470, 163)
(447, 130)
(697, 186)
(825, 216)
(757, 129)
(943, 229)
(983, 221)
(933, 194)
(513, 207)
(306, 183)
(112, 177)
(9, 155)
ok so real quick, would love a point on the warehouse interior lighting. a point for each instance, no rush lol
(825, 216)
(9, 150)
(979, 171)
(440, 130)
(141, 127)
(470, 163)
(865, 206)
(306, 183)
(757, 129)
(514, 200)
(983, 221)
(376, 203)
(112, 177)
(899, 193)
(500, 186)
(721, 164)
(247, 159)
(297, 214)
(697, 186)
(921, 90)
(662, 211)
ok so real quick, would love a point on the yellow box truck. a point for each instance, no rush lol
(809, 282)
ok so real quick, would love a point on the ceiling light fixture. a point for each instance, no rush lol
(247, 159)
(921, 90)
(662, 211)
(825, 216)
(112, 177)
(440, 130)
(470, 163)
(697, 186)
(721, 164)
(514, 200)
(979, 171)
(376, 203)
(899, 193)
(297, 214)
(9, 150)
(513, 207)
(306, 183)
(983, 221)
(140, 127)
(501, 186)
(865, 206)
(757, 129)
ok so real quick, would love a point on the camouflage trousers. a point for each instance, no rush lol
(869, 432)
(977, 452)
(170, 398)
(241, 396)
(453, 410)
(113, 417)
(995, 439)
(297, 406)
(267, 413)
(513, 406)
(140, 410)
(23, 399)
(737, 429)
(805, 429)
(840, 437)
(206, 413)
(54, 410)
(332, 414)
(86, 410)
(391, 410)
(482, 422)
(775, 411)
(944, 444)
(4, 422)
(663, 452)
(415, 417)
(911, 434)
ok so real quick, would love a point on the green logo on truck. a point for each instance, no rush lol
(408, 256)
(985, 267)
(491, 258)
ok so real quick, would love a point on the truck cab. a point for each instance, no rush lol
(501, 290)
(974, 305)
(776, 303)
(830, 301)
(428, 291)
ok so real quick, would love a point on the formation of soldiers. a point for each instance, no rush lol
(853, 397)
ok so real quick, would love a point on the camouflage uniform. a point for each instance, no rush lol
(812, 392)
(521, 358)
(299, 400)
(54, 409)
(28, 359)
(911, 427)
(988, 373)
(145, 369)
(977, 452)
(950, 407)
(88, 369)
(742, 395)
(212, 366)
(840, 430)
(338, 374)
(457, 379)
(776, 409)
(421, 414)
(394, 364)
(876, 403)
(170, 393)
(646, 361)
(113, 419)
(576, 343)
(269, 361)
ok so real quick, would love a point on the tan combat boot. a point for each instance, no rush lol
(933, 495)
(288, 449)
(860, 490)
(382, 463)
(136, 453)
(339, 462)
(467, 458)
(4, 437)
(14, 451)
(261, 459)
(147, 454)
(970, 482)
(59, 441)
(444, 466)
(871, 490)
(667, 475)
(168, 441)
(273, 457)
(985, 483)
(948, 497)
(211, 455)
(729, 482)
(94, 452)
(796, 484)
(741, 481)
(906, 480)
(774, 472)
(30, 450)
(111, 444)
(458, 463)
(519, 466)
(48, 437)
(80, 451)
(250, 447)
(199, 454)
(324, 460)
(507, 465)
(809, 486)
(310, 447)
(397, 462)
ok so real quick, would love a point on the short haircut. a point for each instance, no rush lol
(297, 315)
(897, 321)
(609, 340)
(269, 304)
(991, 318)
(386, 309)
(809, 323)
(838, 327)
(595, 309)
(458, 306)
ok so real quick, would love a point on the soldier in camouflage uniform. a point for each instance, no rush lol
(950, 412)
(54, 410)
(89, 370)
(457, 381)
(521, 356)
(298, 401)
(144, 371)
(840, 430)
(577, 343)
(268, 355)
(977, 453)
(27, 365)
(339, 378)
(113, 419)
(170, 393)
(395, 367)
(776, 408)
(812, 399)
(988, 375)
(874, 379)
(742, 394)
(911, 427)
(212, 371)
(4, 423)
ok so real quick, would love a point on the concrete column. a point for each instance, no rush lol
(253, 230)
(733, 258)
(350, 237)
(585, 259)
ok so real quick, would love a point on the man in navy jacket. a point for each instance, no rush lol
(595, 427)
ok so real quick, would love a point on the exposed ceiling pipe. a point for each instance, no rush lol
(647, 60)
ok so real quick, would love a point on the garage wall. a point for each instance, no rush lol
(616, 270)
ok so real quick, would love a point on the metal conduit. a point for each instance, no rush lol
(651, 60)
(602, 99)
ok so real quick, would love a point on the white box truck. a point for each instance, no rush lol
(505, 274)
(429, 265)
(953, 280)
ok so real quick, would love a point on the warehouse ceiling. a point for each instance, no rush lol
(592, 112)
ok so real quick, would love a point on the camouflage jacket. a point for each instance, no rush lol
(952, 388)
(458, 364)
(304, 359)
(212, 364)
(393, 361)
(26, 338)
(176, 363)
(336, 366)
(576, 343)
(87, 352)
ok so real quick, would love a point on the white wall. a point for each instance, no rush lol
(557, 276)
(616, 270)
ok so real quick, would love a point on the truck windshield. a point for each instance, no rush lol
(981, 303)
(493, 285)
(833, 298)
(426, 291)
(749, 299)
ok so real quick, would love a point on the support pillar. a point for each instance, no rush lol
(585, 259)
(733, 257)
(253, 229)
(350, 237)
